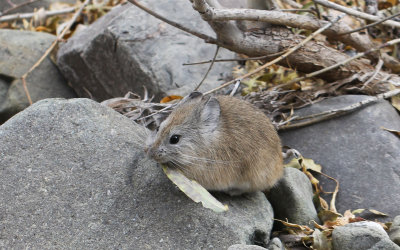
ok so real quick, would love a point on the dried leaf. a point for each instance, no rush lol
(170, 98)
(395, 132)
(193, 190)
(327, 215)
(358, 211)
(311, 165)
(321, 241)
(377, 212)
(302, 228)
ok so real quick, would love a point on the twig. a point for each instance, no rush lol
(323, 116)
(20, 16)
(237, 60)
(332, 206)
(376, 71)
(356, 13)
(209, 69)
(18, 6)
(235, 88)
(206, 38)
(59, 37)
(290, 51)
(369, 25)
(315, 73)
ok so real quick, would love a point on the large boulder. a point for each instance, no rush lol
(19, 51)
(128, 49)
(354, 150)
(73, 175)
(365, 235)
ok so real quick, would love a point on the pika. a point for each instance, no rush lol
(223, 143)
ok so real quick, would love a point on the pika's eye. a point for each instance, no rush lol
(174, 139)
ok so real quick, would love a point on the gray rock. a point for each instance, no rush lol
(73, 175)
(128, 49)
(19, 50)
(394, 232)
(275, 244)
(356, 151)
(245, 247)
(3, 90)
(361, 236)
(292, 198)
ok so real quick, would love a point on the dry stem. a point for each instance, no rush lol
(59, 37)
(356, 13)
(323, 116)
(315, 73)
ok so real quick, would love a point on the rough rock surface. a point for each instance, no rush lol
(292, 198)
(245, 247)
(356, 151)
(73, 175)
(19, 50)
(128, 49)
(361, 236)
(394, 232)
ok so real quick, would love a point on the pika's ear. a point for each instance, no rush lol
(210, 115)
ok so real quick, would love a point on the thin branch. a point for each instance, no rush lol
(59, 37)
(209, 69)
(206, 38)
(290, 51)
(369, 25)
(287, 19)
(20, 16)
(376, 71)
(356, 13)
(323, 116)
(18, 6)
(315, 73)
(237, 60)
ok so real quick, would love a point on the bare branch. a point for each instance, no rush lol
(370, 25)
(323, 116)
(18, 6)
(20, 16)
(237, 59)
(288, 19)
(209, 68)
(356, 13)
(392, 42)
(290, 51)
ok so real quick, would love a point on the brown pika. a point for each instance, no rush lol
(222, 142)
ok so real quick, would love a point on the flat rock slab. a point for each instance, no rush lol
(355, 150)
(73, 175)
(127, 49)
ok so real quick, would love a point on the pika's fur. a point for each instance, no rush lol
(222, 142)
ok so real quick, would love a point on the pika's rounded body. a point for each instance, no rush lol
(222, 142)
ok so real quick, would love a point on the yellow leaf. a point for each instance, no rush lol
(377, 212)
(194, 190)
(395, 132)
(311, 165)
(170, 98)
(358, 211)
